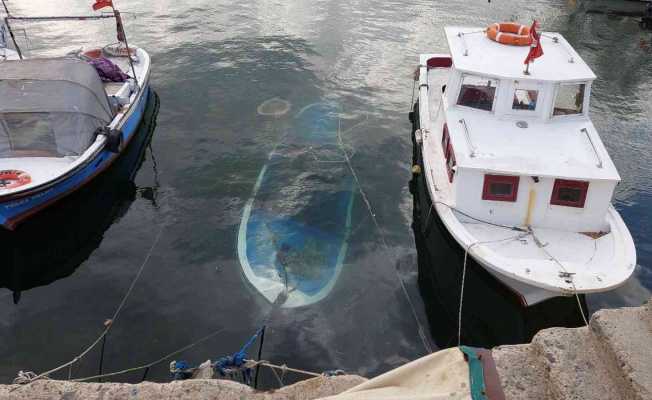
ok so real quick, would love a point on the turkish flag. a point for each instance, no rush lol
(536, 50)
(101, 4)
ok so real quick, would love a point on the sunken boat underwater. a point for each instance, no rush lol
(510, 169)
(61, 125)
(295, 228)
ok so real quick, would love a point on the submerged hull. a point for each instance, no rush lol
(16, 208)
(295, 227)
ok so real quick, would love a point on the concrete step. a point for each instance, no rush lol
(625, 336)
(574, 369)
(520, 373)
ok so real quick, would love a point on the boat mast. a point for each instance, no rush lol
(11, 32)
(122, 36)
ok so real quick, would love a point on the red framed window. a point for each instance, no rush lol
(449, 154)
(569, 193)
(500, 187)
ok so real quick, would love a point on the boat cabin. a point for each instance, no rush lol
(520, 149)
(50, 110)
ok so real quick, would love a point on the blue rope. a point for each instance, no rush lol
(224, 366)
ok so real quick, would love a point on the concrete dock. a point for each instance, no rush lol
(609, 359)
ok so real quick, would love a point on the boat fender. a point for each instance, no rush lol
(416, 169)
(113, 141)
(418, 136)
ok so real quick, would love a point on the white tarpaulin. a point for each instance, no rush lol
(442, 375)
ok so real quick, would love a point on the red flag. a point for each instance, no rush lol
(101, 4)
(536, 50)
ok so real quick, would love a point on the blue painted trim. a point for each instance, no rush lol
(476, 373)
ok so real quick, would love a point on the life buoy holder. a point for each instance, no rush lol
(510, 33)
(12, 178)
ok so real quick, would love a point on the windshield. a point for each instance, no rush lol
(570, 99)
(42, 134)
(477, 92)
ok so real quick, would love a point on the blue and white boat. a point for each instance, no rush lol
(295, 227)
(61, 124)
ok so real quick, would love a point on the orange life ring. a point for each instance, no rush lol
(12, 178)
(510, 33)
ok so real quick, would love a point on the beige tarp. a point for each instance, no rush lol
(441, 375)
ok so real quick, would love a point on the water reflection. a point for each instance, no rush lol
(51, 245)
(214, 62)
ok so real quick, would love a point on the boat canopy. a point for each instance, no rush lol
(50, 107)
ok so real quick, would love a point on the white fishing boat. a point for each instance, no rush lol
(64, 120)
(515, 173)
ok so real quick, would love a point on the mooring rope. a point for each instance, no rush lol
(21, 378)
(421, 330)
(153, 363)
(570, 280)
(283, 368)
(527, 232)
(466, 254)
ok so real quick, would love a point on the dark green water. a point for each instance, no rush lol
(214, 63)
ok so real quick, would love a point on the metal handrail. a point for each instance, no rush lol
(468, 137)
(595, 150)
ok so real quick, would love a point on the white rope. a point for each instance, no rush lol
(111, 321)
(421, 331)
(283, 368)
(466, 253)
(553, 258)
(459, 314)
(24, 377)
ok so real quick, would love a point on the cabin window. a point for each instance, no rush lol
(525, 99)
(570, 99)
(477, 92)
(500, 187)
(569, 193)
(449, 154)
(45, 134)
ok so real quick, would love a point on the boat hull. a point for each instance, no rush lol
(17, 208)
(492, 312)
(294, 232)
(86, 215)
(526, 295)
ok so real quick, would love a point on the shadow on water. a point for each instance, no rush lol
(491, 314)
(51, 245)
